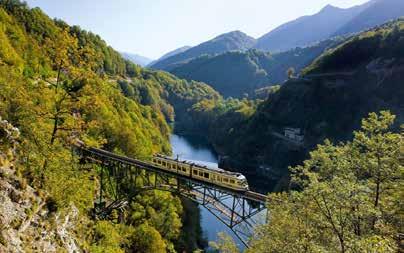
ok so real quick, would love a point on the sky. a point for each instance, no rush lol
(154, 27)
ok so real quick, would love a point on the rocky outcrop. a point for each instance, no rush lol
(26, 223)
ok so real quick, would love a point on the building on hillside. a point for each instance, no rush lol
(294, 134)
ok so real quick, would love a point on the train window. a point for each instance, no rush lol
(225, 180)
(184, 169)
(195, 172)
(206, 175)
(158, 161)
(164, 163)
(200, 173)
(232, 181)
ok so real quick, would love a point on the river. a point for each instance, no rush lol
(197, 149)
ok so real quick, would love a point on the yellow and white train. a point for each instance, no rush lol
(227, 179)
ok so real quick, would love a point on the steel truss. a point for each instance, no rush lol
(121, 182)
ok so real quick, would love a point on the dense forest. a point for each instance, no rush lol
(58, 82)
(361, 75)
(241, 74)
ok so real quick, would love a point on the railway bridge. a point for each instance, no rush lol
(122, 178)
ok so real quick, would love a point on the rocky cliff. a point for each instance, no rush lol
(28, 221)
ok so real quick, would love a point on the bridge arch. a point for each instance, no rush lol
(122, 178)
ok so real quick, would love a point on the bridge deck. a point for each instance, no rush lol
(149, 166)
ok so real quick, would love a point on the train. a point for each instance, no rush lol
(227, 179)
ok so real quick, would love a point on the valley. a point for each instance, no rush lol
(313, 120)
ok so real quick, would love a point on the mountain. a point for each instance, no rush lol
(137, 59)
(169, 54)
(232, 41)
(342, 86)
(308, 29)
(234, 74)
(172, 53)
(379, 12)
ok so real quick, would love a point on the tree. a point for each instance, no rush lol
(379, 147)
(225, 244)
(350, 197)
(148, 240)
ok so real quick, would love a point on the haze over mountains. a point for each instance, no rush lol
(137, 59)
(377, 13)
(232, 64)
(330, 21)
(308, 29)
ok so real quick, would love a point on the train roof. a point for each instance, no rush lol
(230, 173)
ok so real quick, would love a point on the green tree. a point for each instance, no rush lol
(350, 197)
(225, 244)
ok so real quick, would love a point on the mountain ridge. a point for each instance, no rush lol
(170, 53)
(231, 41)
(299, 32)
(377, 13)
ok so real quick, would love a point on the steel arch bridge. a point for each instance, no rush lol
(123, 178)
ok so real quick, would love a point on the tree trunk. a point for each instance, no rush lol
(55, 128)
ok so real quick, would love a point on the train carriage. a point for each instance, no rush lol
(233, 180)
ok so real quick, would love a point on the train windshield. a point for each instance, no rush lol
(244, 183)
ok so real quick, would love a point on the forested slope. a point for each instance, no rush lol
(58, 82)
(341, 87)
(240, 74)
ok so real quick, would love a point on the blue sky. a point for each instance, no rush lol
(154, 27)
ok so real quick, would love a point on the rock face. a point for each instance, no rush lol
(26, 224)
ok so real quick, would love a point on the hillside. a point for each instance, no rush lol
(232, 41)
(237, 74)
(137, 59)
(307, 30)
(57, 82)
(341, 87)
(171, 53)
(378, 13)
(329, 105)
(232, 74)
